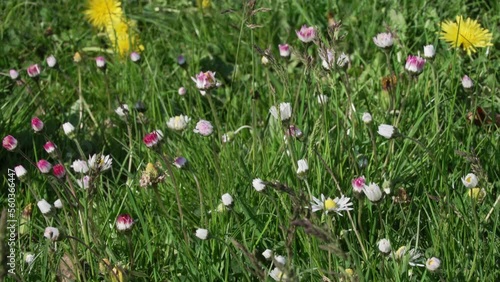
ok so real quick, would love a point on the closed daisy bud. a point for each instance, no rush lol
(100, 62)
(135, 57)
(49, 147)
(303, 167)
(414, 65)
(68, 129)
(264, 60)
(278, 275)
(77, 57)
(322, 99)
(343, 60)
(467, 82)
(285, 111)
(367, 118)
(124, 222)
(29, 258)
(59, 171)
(58, 204)
(44, 206)
(387, 131)
(122, 110)
(280, 260)
(227, 199)
(202, 233)
(306, 34)
(44, 166)
(20, 172)
(204, 127)
(84, 182)
(14, 74)
(51, 61)
(470, 180)
(284, 50)
(51, 233)
(258, 184)
(37, 124)
(373, 192)
(181, 60)
(9, 143)
(432, 264)
(180, 162)
(429, 51)
(358, 184)
(33, 71)
(267, 254)
(384, 246)
(151, 139)
(80, 166)
(327, 59)
(383, 40)
(182, 91)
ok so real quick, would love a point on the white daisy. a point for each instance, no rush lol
(337, 205)
(100, 162)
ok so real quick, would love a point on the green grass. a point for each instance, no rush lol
(437, 217)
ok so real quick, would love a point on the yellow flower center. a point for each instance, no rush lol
(330, 204)
(349, 272)
(468, 179)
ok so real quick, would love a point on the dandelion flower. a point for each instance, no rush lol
(467, 34)
(123, 36)
(337, 205)
(101, 13)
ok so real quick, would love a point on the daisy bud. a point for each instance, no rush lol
(294, 131)
(322, 99)
(181, 60)
(202, 233)
(100, 62)
(49, 147)
(29, 258)
(124, 222)
(373, 192)
(227, 200)
(9, 143)
(303, 167)
(178, 123)
(37, 124)
(122, 110)
(14, 74)
(470, 180)
(180, 162)
(80, 166)
(278, 275)
(327, 59)
(58, 204)
(367, 118)
(285, 111)
(204, 128)
(135, 57)
(258, 184)
(77, 57)
(227, 137)
(387, 131)
(59, 171)
(467, 82)
(429, 51)
(414, 65)
(267, 254)
(68, 129)
(151, 139)
(44, 207)
(280, 260)
(384, 246)
(306, 34)
(20, 172)
(432, 264)
(51, 233)
(358, 184)
(383, 40)
(84, 183)
(51, 61)
(182, 91)
(264, 60)
(44, 166)
(205, 80)
(284, 50)
(33, 70)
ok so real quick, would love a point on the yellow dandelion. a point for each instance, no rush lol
(467, 34)
(123, 36)
(101, 13)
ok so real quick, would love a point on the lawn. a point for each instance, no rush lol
(272, 140)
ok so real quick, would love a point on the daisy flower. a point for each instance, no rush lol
(337, 205)
(100, 162)
(467, 34)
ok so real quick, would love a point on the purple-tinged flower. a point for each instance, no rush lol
(358, 184)
(181, 60)
(204, 128)
(180, 162)
(59, 171)
(37, 124)
(135, 57)
(84, 182)
(153, 138)
(49, 147)
(284, 50)
(415, 64)
(182, 91)
(205, 80)
(306, 34)
(44, 166)
(14, 74)
(100, 62)
(124, 222)
(432, 264)
(20, 172)
(51, 61)
(33, 70)
(80, 166)
(467, 82)
(327, 58)
(9, 143)
(294, 131)
(383, 40)
(429, 51)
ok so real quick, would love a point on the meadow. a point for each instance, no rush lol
(255, 140)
